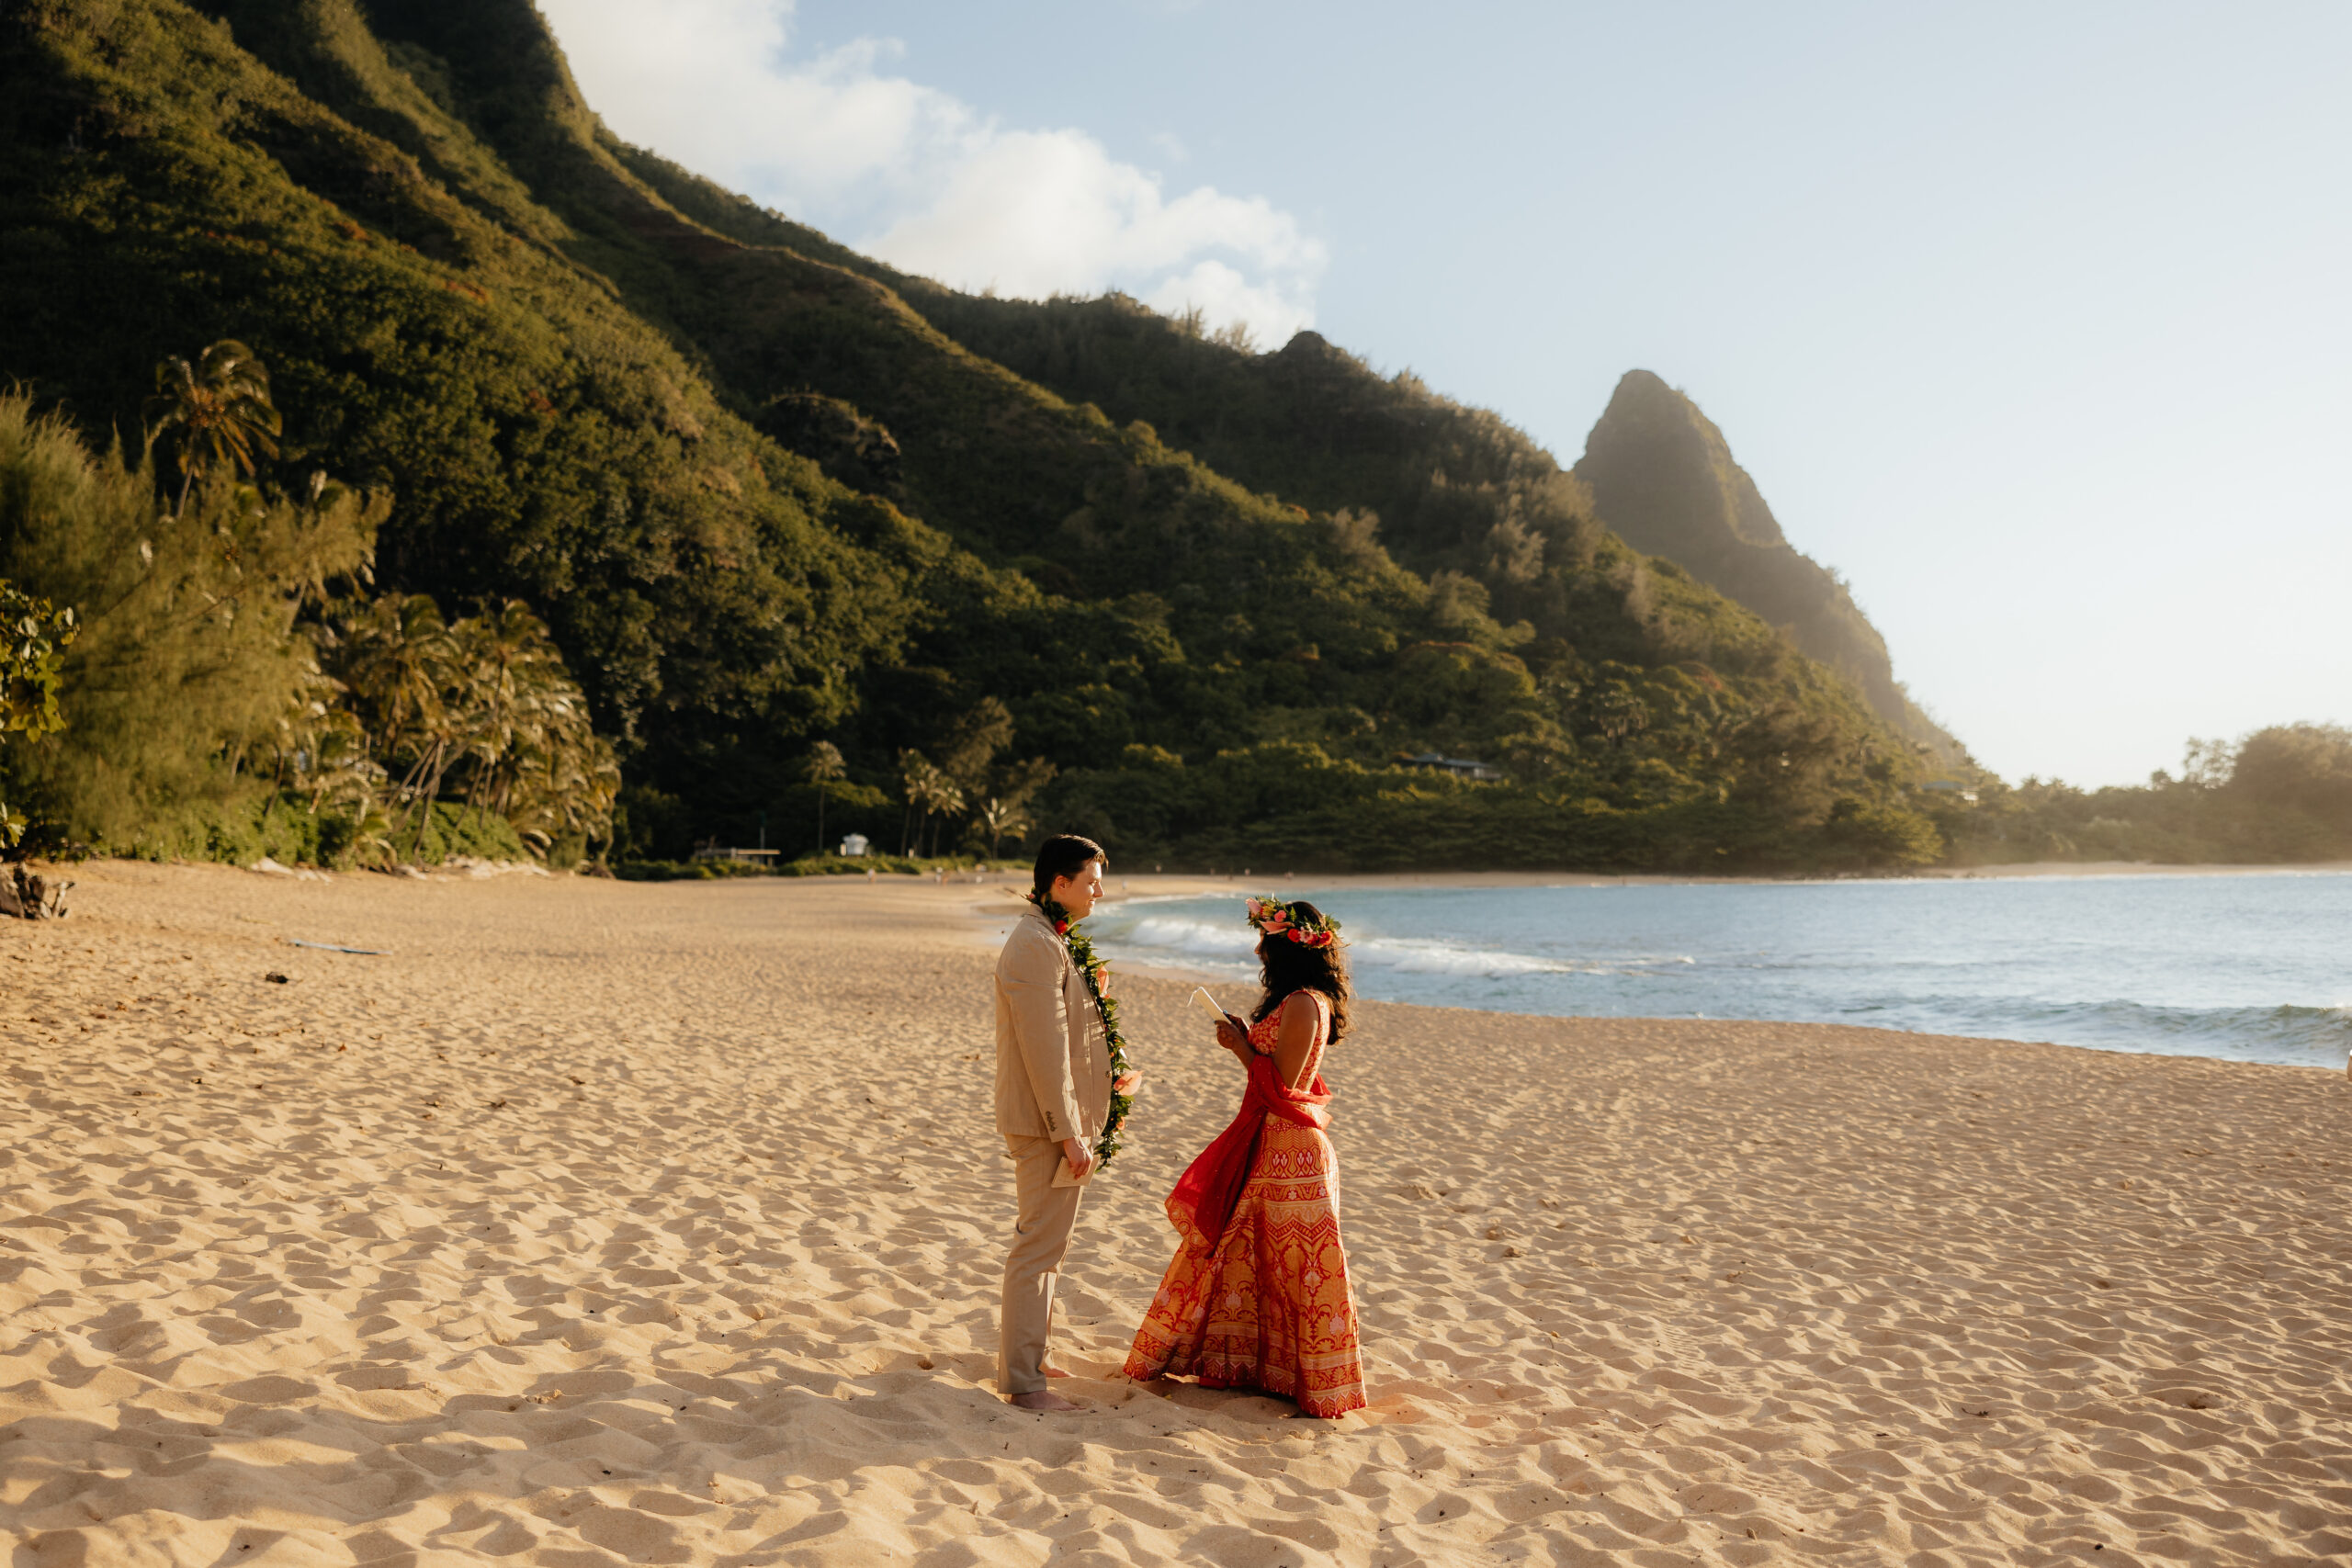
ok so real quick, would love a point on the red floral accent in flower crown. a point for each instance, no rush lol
(1274, 918)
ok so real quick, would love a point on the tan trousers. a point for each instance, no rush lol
(1040, 1235)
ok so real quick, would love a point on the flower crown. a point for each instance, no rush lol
(1274, 918)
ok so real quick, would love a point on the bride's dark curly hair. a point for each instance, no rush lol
(1284, 967)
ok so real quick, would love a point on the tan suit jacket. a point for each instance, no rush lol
(1053, 1065)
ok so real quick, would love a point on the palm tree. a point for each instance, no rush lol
(486, 697)
(222, 408)
(510, 672)
(1004, 809)
(929, 793)
(402, 666)
(996, 817)
(943, 801)
(824, 766)
(915, 773)
(565, 779)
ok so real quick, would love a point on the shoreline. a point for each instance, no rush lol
(982, 901)
(2085, 1024)
(1177, 973)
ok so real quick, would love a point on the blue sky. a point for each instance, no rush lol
(2031, 320)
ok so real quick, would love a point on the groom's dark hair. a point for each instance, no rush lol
(1064, 855)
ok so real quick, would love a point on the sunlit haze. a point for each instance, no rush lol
(2032, 320)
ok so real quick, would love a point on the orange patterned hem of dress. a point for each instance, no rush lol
(1268, 1306)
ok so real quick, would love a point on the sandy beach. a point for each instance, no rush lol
(595, 1222)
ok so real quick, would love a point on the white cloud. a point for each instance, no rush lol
(917, 178)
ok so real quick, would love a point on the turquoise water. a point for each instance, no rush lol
(2250, 967)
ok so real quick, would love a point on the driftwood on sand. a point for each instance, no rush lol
(30, 896)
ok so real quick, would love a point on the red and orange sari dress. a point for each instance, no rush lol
(1258, 1294)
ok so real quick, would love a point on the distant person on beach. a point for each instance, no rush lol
(1053, 1096)
(1258, 1295)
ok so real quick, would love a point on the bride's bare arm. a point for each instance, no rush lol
(1302, 1021)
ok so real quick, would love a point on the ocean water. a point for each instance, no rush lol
(2252, 968)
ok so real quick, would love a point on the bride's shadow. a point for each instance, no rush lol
(1246, 1404)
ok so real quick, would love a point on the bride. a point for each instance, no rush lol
(1258, 1294)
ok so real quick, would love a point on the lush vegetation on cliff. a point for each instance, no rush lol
(1453, 489)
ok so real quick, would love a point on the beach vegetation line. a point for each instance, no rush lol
(222, 685)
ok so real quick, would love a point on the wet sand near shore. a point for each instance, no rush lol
(596, 1223)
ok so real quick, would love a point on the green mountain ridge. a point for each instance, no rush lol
(1455, 487)
(1663, 476)
(763, 490)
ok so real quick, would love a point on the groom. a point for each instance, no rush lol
(1053, 1093)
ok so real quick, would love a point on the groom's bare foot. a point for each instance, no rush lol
(1046, 1399)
